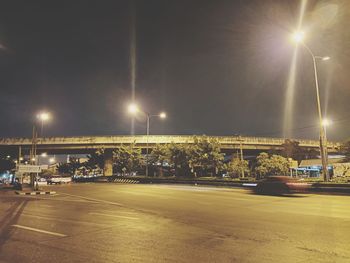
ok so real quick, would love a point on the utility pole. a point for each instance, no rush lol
(241, 155)
(33, 156)
(148, 120)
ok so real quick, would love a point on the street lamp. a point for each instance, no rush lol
(326, 122)
(298, 37)
(133, 109)
(43, 117)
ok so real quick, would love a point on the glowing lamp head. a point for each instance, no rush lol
(298, 37)
(43, 116)
(326, 122)
(44, 155)
(52, 160)
(162, 115)
(132, 108)
(326, 58)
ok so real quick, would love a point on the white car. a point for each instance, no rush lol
(59, 180)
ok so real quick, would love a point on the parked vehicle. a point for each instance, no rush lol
(42, 181)
(59, 180)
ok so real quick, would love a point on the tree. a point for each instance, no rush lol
(179, 158)
(127, 158)
(6, 164)
(345, 149)
(95, 160)
(71, 167)
(159, 156)
(236, 166)
(271, 165)
(206, 156)
(291, 149)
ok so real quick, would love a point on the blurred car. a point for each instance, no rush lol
(59, 180)
(279, 185)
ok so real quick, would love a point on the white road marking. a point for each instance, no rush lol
(39, 230)
(122, 212)
(93, 199)
(125, 217)
(156, 195)
(51, 218)
(195, 188)
(66, 200)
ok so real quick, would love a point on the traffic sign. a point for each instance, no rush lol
(29, 168)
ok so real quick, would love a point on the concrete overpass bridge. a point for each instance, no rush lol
(88, 144)
(85, 144)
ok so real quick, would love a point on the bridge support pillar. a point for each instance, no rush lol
(108, 164)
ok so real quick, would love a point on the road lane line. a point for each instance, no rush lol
(51, 218)
(93, 199)
(67, 200)
(39, 230)
(119, 212)
(125, 217)
(143, 194)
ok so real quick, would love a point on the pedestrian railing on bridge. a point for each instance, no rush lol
(100, 141)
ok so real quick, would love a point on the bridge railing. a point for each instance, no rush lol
(157, 139)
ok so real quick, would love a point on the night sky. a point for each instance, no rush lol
(216, 67)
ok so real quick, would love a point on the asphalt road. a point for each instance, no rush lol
(172, 223)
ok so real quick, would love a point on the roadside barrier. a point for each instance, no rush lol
(125, 181)
(35, 193)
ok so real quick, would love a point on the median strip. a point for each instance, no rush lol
(39, 230)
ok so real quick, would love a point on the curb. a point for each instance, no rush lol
(35, 193)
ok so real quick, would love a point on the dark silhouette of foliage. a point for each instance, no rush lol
(6, 164)
(127, 159)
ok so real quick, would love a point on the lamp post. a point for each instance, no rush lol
(298, 38)
(133, 109)
(326, 123)
(42, 116)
